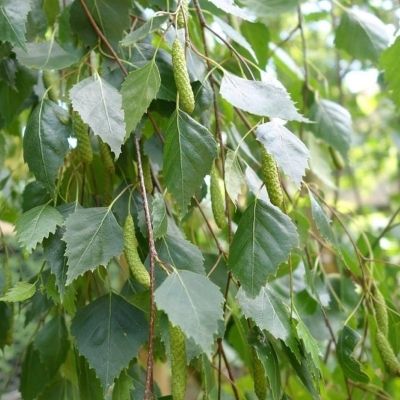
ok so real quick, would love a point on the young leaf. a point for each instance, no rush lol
(93, 237)
(389, 62)
(139, 89)
(263, 240)
(347, 341)
(45, 142)
(13, 16)
(188, 155)
(174, 249)
(109, 333)
(289, 152)
(100, 106)
(36, 224)
(267, 98)
(20, 292)
(46, 55)
(333, 125)
(193, 303)
(159, 216)
(230, 7)
(362, 35)
(234, 177)
(267, 311)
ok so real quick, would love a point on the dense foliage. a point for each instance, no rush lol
(205, 198)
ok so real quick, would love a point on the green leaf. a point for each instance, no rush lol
(34, 375)
(112, 17)
(235, 36)
(333, 125)
(267, 311)
(109, 333)
(45, 142)
(270, 8)
(139, 89)
(59, 389)
(6, 324)
(258, 35)
(321, 221)
(36, 224)
(100, 106)
(123, 386)
(52, 343)
(267, 355)
(175, 250)
(389, 63)
(13, 16)
(310, 344)
(188, 155)
(88, 383)
(159, 216)
(234, 177)
(193, 303)
(93, 238)
(230, 7)
(20, 292)
(347, 341)
(267, 98)
(362, 35)
(289, 152)
(46, 55)
(143, 31)
(263, 240)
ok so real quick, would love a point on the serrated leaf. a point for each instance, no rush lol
(267, 98)
(93, 237)
(109, 333)
(269, 359)
(333, 125)
(46, 55)
(175, 250)
(263, 240)
(59, 389)
(234, 177)
(13, 17)
(188, 155)
(45, 142)
(267, 311)
(52, 343)
(193, 303)
(289, 152)
(100, 106)
(143, 31)
(138, 90)
(159, 216)
(389, 62)
(123, 386)
(88, 383)
(21, 291)
(235, 36)
(36, 224)
(347, 341)
(321, 221)
(362, 35)
(230, 7)
(310, 344)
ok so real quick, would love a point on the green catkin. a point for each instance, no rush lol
(381, 314)
(82, 135)
(183, 14)
(51, 81)
(181, 75)
(178, 362)
(217, 199)
(107, 157)
(259, 378)
(271, 179)
(148, 181)
(136, 266)
(390, 360)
